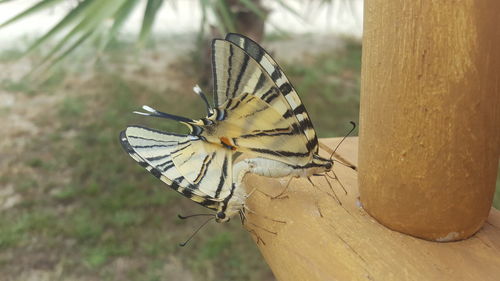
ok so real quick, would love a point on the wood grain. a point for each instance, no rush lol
(430, 115)
(322, 240)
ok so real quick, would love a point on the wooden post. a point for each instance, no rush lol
(430, 115)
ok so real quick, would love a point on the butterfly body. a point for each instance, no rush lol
(275, 169)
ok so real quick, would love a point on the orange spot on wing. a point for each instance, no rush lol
(226, 142)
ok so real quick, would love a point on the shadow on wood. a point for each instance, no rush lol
(323, 240)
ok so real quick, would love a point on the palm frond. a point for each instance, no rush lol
(83, 21)
(289, 8)
(72, 16)
(152, 8)
(252, 7)
(121, 16)
(42, 5)
(224, 16)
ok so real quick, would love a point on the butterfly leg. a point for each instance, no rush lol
(279, 196)
(262, 192)
(334, 196)
(264, 216)
(335, 177)
(333, 191)
(265, 194)
(245, 223)
(254, 233)
(240, 183)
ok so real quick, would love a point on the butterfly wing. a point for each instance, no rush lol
(285, 87)
(238, 74)
(153, 150)
(254, 126)
(206, 166)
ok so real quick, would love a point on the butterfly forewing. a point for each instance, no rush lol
(282, 83)
(256, 127)
(236, 73)
(232, 66)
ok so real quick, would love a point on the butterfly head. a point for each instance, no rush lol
(222, 217)
(226, 210)
(320, 165)
(225, 214)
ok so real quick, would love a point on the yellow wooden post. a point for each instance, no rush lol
(430, 115)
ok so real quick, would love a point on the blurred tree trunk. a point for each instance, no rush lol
(246, 22)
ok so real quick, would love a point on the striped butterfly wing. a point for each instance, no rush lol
(237, 74)
(154, 151)
(206, 166)
(280, 80)
(254, 126)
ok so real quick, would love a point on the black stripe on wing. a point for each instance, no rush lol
(222, 178)
(279, 152)
(229, 71)
(271, 132)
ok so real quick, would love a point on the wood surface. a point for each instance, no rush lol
(322, 240)
(430, 115)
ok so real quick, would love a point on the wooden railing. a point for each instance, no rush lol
(322, 240)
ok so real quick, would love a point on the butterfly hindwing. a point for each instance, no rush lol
(206, 166)
(153, 150)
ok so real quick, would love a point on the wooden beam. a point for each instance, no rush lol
(322, 240)
(430, 115)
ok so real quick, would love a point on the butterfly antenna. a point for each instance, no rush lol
(345, 164)
(200, 93)
(353, 127)
(190, 216)
(194, 233)
(156, 113)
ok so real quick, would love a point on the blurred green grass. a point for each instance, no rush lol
(88, 208)
(329, 86)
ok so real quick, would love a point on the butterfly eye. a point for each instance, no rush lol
(329, 165)
(221, 216)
